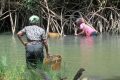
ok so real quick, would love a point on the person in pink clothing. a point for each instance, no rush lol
(86, 29)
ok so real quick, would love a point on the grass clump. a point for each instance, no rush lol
(20, 72)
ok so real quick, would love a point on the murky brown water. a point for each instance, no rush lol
(100, 56)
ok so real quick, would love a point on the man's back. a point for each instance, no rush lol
(34, 32)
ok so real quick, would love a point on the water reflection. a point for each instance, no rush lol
(87, 42)
(86, 49)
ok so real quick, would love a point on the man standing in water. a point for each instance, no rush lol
(36, 40)
(86, 29)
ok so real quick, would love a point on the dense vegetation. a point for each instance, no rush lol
(59, 15)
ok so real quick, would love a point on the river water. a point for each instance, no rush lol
(99, 56)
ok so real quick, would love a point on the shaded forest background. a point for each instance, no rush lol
(59, 15)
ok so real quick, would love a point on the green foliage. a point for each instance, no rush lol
(3, 65)
(20, 72)
(31, 5)
(69, 10)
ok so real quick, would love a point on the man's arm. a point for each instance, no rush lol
(82, 32)
(20, 34)
(46, 47)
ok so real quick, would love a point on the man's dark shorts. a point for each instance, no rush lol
(34, 53)
(94, 34)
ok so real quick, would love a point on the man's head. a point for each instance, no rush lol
(79, 21)
(34, 19)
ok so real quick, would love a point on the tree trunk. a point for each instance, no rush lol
(2, 6)
(13, 23)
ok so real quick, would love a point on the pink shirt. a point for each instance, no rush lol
(87, 29)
